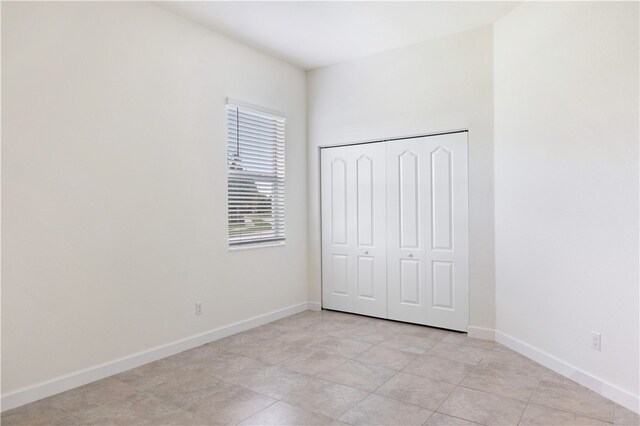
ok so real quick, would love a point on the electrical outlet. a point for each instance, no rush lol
(198, 308)
(595, 341)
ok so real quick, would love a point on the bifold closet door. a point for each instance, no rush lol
(427, 246)
(353, 229)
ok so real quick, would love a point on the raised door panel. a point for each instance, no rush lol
(338, 192)
(443, 285)
(340, 275)
(364, 205)
(441, 199)
(410, 282)
(337, 243)
(353, 229)
(448, 254)
(408, 187)
(427, 231)
(366, 278)
(406, 232)
(371, 221)
(395, 231)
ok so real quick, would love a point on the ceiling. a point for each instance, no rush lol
(316, 34)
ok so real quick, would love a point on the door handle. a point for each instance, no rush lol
(410, 254)
(366, 252)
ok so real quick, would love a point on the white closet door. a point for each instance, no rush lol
(353, 229)
(427, 246)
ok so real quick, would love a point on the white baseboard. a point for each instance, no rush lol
(63, 383)
(315, 306)
(481, 332)
(600, 386)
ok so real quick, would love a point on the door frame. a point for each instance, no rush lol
(390, 139)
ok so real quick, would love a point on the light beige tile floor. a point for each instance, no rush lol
(329, 368)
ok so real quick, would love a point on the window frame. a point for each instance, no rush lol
(277, 194)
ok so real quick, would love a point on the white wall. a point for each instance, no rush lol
(114, 185)
(114, 177)
(443, 84)
(566, 173)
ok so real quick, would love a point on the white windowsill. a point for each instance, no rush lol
(257, 246)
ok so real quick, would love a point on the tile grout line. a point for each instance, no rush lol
(347, 359)
(491, 393)
(147, 393)
(184, 409)
(353, 358)
(179, 408)
(443, 401)
(73, 417)
(351, 406)
(369, 393)
(570, 412)
(116, 401)
(99, 405)
(456, 386)
(276, 400)
(397, 400)
(61, 416)
(459, 385)
(401, 370)
(529, 399)
(255, 414)
(542, 404)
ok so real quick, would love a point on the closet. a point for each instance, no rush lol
(395, 231)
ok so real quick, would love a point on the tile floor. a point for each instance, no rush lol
(329, 368)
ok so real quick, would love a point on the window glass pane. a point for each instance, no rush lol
(255, 158)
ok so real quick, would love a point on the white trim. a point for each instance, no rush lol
(481, 332)
(596, 384)
(393, 138)
(315, 306)
(260, 109)
(240, 247)
(63, 383)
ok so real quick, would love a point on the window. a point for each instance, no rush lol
(255, 159)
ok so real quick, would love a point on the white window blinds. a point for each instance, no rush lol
(255, 159)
